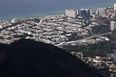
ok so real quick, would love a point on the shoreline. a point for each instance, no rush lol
(54, 12)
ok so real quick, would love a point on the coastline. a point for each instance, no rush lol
(53, 12)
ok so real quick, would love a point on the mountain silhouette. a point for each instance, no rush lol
(28, 58)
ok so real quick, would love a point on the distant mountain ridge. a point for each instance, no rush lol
(28, 58)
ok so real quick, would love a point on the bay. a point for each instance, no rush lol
(21, 9)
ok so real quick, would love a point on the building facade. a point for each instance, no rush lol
(83, 13)
(14, 20)
(115, 6)
(112, 25)
(101, 11)
(71, 13)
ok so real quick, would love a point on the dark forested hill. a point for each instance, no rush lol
(91, 50)
(27, 58)
(2, 46)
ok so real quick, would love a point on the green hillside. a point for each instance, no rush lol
(28, 58)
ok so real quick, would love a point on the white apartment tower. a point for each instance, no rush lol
(115, 6)
(71, 13)
(77, 12)
(112, 25)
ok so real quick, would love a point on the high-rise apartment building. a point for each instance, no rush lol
(87, 12)
(83, 12)
(115, 6)
(71, 13)
(112, 25)
(101, 11)
(96, 11)
(77, 12)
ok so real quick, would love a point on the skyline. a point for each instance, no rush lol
(26, 9)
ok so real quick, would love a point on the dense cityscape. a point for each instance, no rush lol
(55, 29)
(72, 28)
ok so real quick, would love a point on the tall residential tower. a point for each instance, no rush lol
(71, 13)
(115, 6)
(112, 25)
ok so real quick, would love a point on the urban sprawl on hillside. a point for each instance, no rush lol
(72, 28)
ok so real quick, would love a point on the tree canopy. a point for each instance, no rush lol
(27, 58)
(91, 50)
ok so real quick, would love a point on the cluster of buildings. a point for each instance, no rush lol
(99, 64)
(51, 29)
(109, 12)
(109, 15)
(57, 29)
(83, 13)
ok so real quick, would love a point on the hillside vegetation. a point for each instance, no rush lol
(27, 58)
(92, 50)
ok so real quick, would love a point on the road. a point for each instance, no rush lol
(85, 38)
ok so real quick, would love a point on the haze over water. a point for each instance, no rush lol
(21, 9)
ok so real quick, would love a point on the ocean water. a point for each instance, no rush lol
(21, 9)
